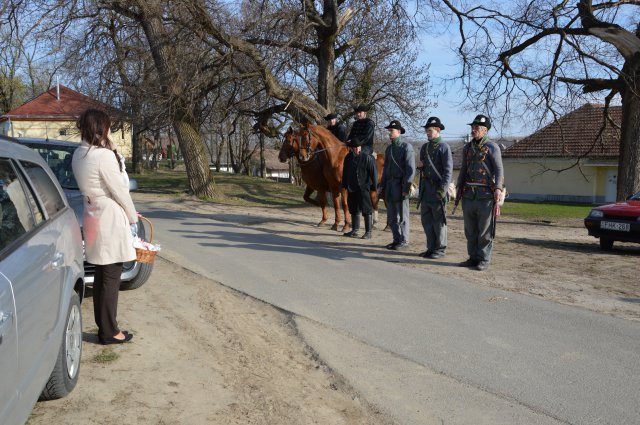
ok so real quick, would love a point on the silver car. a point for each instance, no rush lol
(58, 154)
(41, 285)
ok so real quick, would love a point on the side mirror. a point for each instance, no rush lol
(133, 184)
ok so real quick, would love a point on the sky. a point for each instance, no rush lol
(439, 53)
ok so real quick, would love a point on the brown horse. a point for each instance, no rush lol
(321, 158)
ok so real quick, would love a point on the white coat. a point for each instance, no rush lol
(108, 208)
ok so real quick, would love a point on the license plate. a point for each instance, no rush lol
(620, 227)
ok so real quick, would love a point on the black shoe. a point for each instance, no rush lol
(367, 235)
(482, 265)
(401, 246)
(425, 254)
(392, 245)
(108, 341)
(355, 227)
(435, 255)
(468, 263)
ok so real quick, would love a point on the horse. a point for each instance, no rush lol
(321, 158)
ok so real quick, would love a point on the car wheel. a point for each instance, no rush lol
(606, 244)
(143, 275)
(65, 372)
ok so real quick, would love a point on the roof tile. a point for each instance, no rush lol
(47, 107)
(573, 135)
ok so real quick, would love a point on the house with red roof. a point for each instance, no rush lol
(53, 115)
(568, 160)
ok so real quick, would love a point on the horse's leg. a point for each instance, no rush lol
(335, 195)
(374, 201)
(307, 197)
(322, 198)
(345, 208)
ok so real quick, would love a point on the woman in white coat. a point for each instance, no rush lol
(108, 213)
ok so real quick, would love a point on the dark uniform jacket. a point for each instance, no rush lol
(399, 169)
(364, 130)
(358, 173)
(339, 130)
(431, 183)
(481, 171)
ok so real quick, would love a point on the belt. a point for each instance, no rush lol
(477, 184)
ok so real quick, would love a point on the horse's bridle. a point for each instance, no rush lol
(305, 143)
(306, 147)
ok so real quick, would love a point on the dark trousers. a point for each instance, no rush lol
(106, 286)
(359, 201)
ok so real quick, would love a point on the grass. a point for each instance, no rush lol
(544, 212)
(243, 190)
(233, 189)
(107, 355)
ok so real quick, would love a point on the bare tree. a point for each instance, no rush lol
(551, 56)
(164, 61)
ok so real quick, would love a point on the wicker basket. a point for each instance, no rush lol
(144, 255)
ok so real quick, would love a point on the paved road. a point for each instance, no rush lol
(444, 350)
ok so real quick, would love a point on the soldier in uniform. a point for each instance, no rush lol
(359, 178)
(336, 127)
(397, 176)
(436, 167)
(479, 185)
(363, 128)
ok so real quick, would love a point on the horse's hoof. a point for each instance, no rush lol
(334, 227)
(321, 224)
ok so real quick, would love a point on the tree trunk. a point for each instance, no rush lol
(263, 165)
(326, 73)
(194, 154)
(191, 143)
(629, 159)
(136, 150)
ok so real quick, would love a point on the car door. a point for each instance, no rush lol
(8, 348)
(35, 270)
(40, 272)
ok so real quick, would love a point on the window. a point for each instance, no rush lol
(16, 218)
(62, 132)
(45, 188)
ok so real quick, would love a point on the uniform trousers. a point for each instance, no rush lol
(106, 286)
(398, 218)
(477, 228)
(432, 217)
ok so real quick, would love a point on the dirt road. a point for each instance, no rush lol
(204, 354)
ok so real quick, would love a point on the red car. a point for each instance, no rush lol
(615, 222)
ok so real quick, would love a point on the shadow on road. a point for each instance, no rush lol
(577, 246)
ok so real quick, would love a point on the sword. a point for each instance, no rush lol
(494, 219)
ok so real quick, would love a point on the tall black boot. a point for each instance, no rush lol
(368, 226)
(355, 226)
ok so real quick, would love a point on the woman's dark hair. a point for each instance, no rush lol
(94, 127)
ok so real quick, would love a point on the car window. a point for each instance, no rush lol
(46, 189)
(16, 216)
(59, 160)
